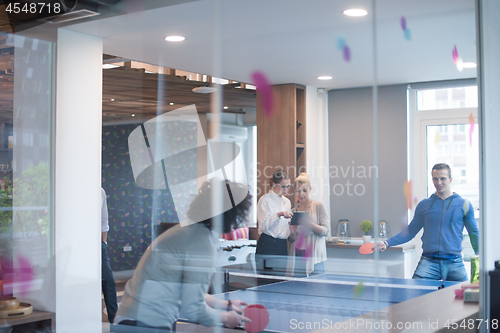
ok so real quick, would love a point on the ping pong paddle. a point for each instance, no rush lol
(367, 248)
(259, 316)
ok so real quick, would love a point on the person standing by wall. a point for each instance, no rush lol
(307, 251)
(274, 212)
(107, 279)
(442, 216)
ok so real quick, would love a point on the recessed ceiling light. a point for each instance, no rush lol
(469, 65)
(171, 103)
(112, 99)
(226, 107)
(175, 38)
(355, 12)
(324, 77)
(133, 115)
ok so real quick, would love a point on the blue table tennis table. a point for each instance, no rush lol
(329, 298)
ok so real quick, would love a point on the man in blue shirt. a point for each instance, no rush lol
(442, 216)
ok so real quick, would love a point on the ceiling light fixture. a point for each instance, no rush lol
(324, 77)
(108, 66)
(204, 90)
(355, 12)
(133, 115)
(171, 103)
(175, 38)
(469, 65)
(226, 107)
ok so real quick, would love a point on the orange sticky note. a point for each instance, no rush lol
(407, 192)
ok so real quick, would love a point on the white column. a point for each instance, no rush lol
(317, 145)
(78, 182)
(489, 82)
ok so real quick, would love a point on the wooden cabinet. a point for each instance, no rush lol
(281, 137)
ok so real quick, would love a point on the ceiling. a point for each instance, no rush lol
(132, 91)
(294, 41)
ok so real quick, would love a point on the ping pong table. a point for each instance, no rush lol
(296, 303)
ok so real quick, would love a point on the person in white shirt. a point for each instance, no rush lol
(274, 212)
(107, 279)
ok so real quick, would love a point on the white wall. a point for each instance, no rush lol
(78, 182)
(352, 174)
(317, 144)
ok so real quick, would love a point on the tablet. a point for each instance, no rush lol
(298, 217)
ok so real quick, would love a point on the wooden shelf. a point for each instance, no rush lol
(281, 138)
(36, 316)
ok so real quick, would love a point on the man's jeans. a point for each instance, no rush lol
(441, 269)
(108, 285)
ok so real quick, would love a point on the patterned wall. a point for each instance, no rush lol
(133, 211)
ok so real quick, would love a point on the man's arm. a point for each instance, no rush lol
(408, 233)
(104, 236)
(472, 228)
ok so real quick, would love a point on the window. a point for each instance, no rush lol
(448, 98)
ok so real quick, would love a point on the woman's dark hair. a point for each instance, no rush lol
(278, 176)
(235, 195)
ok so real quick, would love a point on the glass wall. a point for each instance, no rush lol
(26, 223)
(195, 93)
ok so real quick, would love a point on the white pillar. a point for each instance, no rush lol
(489, 81)
(78, 182)
(317, 145)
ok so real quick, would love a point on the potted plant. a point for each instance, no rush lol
(366, 226)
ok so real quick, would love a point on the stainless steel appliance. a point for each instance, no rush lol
(383, 229)
(343, 231)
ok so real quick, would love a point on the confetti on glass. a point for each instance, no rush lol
(342, 46)
(7, 276)
(437, 138)
(359, 289)
(347, 53)
(454, 53)
(457, 59)
(407, 34)
(300, 240)
(404, 27)
(471, 129)
(340, 42)
(407, 192)
(265, 90)
(24, 275)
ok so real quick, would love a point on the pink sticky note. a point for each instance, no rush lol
(265, 90)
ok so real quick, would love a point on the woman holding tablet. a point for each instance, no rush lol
(308, 251)
(273, 215)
